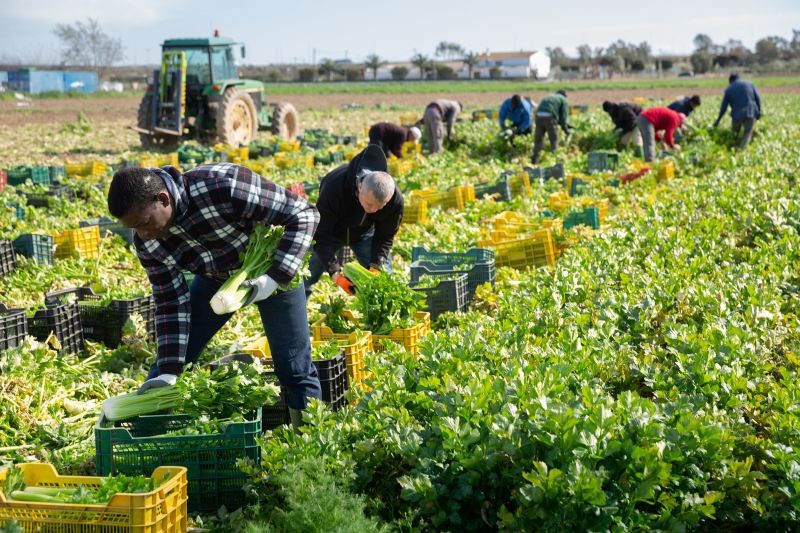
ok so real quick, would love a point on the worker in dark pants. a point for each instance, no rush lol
(391, 137)
(200, 222)
(623, 115)
(360, 206)
(745, 104)
(553, 111)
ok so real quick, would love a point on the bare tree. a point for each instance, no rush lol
(374, 62)
(558, 57)
(86, 45)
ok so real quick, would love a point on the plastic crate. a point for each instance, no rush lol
(3, 180)
(409, 119)
(575, 185)
(43, 199)
(94, 169)
(106, 224)
(38, 175)
(105, 323)
(599, 161)
(163, 510)
(139, 446)
(19, 211)
(332, 374)
(410, 149)
(665, 170)
(590, 216)
(84, 241)
(449, 294)
(416, 212)
(8, 261)
(37, 247)
(408, 338)
(62, 320)
(356, 346)
(13, 327)
(477, 263)
(559, 201)
(57, 172)
(519, 184)
(497, 191)
(633, 176)
(536, 250)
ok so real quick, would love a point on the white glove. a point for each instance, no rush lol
(261, 288)
(163, 380)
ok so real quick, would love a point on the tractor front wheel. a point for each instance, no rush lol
(236, 119)
(285, 123)
(154, 141)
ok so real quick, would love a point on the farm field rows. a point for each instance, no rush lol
(645, 381)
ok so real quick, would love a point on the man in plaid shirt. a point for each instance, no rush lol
(200, 222)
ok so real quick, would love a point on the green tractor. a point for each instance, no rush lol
(197, 94)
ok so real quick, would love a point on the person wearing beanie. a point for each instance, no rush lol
(438, 114)
(391, 137)
(623, 115)
(519, 111)
(552, 111)
(745, 104)
(658, 124)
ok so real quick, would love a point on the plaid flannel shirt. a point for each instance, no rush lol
(216, 208)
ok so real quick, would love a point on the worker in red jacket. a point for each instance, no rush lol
(391, 137)
(652, 122)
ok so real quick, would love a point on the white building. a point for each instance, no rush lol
(522, 64)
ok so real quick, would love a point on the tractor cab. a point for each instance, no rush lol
(198, 94)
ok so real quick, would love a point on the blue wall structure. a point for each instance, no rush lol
(30, 80)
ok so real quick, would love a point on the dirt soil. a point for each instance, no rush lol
(57, 111)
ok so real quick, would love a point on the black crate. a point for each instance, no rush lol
(43, 199)
(106, 224)
(546, 173)
(61, 319)
(450, 294)
(40, 248)
(499, 190)
(477, 263)
(13, 327)
(332, 374)
(7, 260)
(105, 323)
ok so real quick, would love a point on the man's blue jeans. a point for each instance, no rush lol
(285, 323)
(362, 250)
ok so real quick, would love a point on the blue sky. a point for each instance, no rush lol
(291, 30)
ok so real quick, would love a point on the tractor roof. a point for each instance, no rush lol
(200, 41)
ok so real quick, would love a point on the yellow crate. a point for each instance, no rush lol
(666, 170)
(559, 201)
(162, 510)
(407, 337)
(94, 169)
(520, 184)
(409, 119)
(416, 212)
(259, 348)
(642, 101)
(84, 241)
(356, 346)
(171, 159)
(602, 207)
(148, 161)
(411, 149)
(556, 225)
(536, 250)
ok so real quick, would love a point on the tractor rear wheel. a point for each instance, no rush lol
(236, 119)
(156, 140)
(285, 122)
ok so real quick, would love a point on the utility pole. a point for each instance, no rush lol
(313, 56)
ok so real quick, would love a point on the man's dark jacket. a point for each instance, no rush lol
(390, 137)
(623, 115)
(343, 220)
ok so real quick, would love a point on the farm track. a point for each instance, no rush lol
(63, 110)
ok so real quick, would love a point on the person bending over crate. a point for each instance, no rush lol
(652, 122)
(623, 115)
(200, 222)
(519, 111)
(391, 137)
(360, 206)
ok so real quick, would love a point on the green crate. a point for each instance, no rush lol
(590, 216)
(19, 175)
(599, 161)
(138, 446)
(40, 248)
